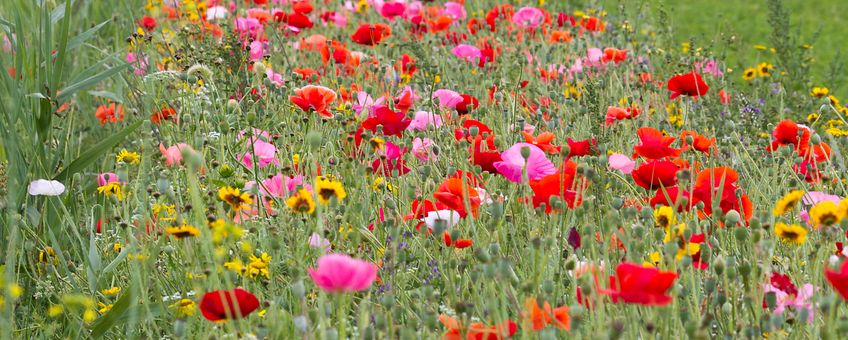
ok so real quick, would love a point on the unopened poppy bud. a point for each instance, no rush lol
(179, 328)
(525, 152)
(617, 203)
(454, 234)
(314, 139)
(482, 255)
(815, 139)
(232, 105)
(259, 69)
(690, 139)
(741, 234)
(474, 131)
(731, 218)
(298, 289)
(719, 266)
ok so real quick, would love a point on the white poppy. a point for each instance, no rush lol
(451, 218)
(43, 187)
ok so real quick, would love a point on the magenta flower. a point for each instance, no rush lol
(391, 9)
(278, 185)
(422, 148)
(106, 178)
(264, 151)
(528, 17)
(257, 50)
(455, 11)
(467, 52)
(447, 99)
(621, 163)
(338, 273)
(364, 101)
(423, 119)
(513, 163)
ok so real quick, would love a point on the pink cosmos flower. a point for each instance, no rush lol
(139, 64)
(174, 154)
(264, 151)
(528, 17)
(513, 163)
(447, 99)
(455, 11)
(467, 52)
(424, 119)
(422, 148)
(338, 273)
(106, 178)
(621, 163)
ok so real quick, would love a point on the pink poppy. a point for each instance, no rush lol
(264, 151)
(528, 17)
(621, 163)
(106, 178)
(423, 119)
(174, 154)
(447, 99)
(513, 163)
(392, 9)
(455, 11)
(338, 273)
(364, 101)
(467, 52)
(422, 148)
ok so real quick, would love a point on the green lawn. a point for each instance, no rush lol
(747, 21)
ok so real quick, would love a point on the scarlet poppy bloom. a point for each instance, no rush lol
(298, 20)
(394, 123)
(690, 84)
(560, 36)
(458, 244)
(537, 318)
(407, 65)
(699, 142)
(454, 194)
(467, 104)
(838, 280)
(543, 141)
(302, 6)
(487, 158)
(788, 132)
(561, 184)
(467, 125)
(440, 24)
(584, 147)
(371, 34)
(147, 22)
(656, 174)
(113, 113)
(614, 55)
(633, 283)
(314, 98)
(720, 183)
(476, 331)
(340, 53)
(222, 305)
(165, 114)
(654, 145)
(592, 24)
(673, 197)
(617, 113)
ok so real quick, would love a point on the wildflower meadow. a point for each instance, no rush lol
(413, 169)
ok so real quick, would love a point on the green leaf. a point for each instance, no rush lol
(106, 94)
(96, 152)
(71, 89)
(84, 36)
(113, 316)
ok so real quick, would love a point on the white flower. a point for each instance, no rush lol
(43, 187)
(450, 216)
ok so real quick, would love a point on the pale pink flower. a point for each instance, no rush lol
(316, 241)
(364, 101)
(423, 119)
(422, 148)
(709, 67)
(455, 11)
(528, 17)
(467, 52)
(174, 154)
(264, 151)
(513, 163)
(338, 273)
(274, 77)
(450, 217)
(447, 99)
(216, 12)
(43, 187)
(797, 302)
(621, 163)
(257, 50)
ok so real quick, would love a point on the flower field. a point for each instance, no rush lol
(398, 169)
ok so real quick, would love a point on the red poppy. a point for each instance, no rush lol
(314, 98)
(298, 20)
(720, 183)
(487, 158)
(654, 145)
(788, 132)
(407, 65)
(163, 115)
(538, 317)
(465, 132)
(615, 55)
(371, 34)
(838, 280)
(561, 184)
(673, 197)
(543, 141)
(394, 123)
(633, 283)
(476, 331)
(302, 6)
(468, 103)
(618, 113)
(656, 174)
(458, 244)
(113, 113)
(592, 24)
(699, 142)
(147, 22)
(560, 36)
(454, 193)
(690, 84)
(586, 147)
(228, 304)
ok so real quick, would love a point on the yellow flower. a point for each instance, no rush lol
(787, 202)
(764, 69)
(55, 310)
(833, 100)
(654, 260)
(259, 266)
(687, 248)
(164, 212)
(684, 47)
(183, 307)
(15, 291)
(674, 233)
(302, 202)
(89, 315)
(111, 291)
(117, 247)
(813, 117)
(182, 231)
(377, 143)
(749, 74)
(223, 231)
(760, 47)
(328, 188)
(104, 307)
(112, 189)
(825, 213)
(235, 198)
(843, 207)
(128, 157)
(819, 92)
(791, 233)
(664, 217)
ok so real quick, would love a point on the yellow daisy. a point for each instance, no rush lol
(791, 233)
(787, 202)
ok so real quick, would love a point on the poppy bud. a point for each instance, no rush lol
(179, 328)
(260, 69)
(298, 289)
(815, 139)
(473, 131)
(314, 139)
(731, 218)
(718, 266)
(482, 255)
(525, 152)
